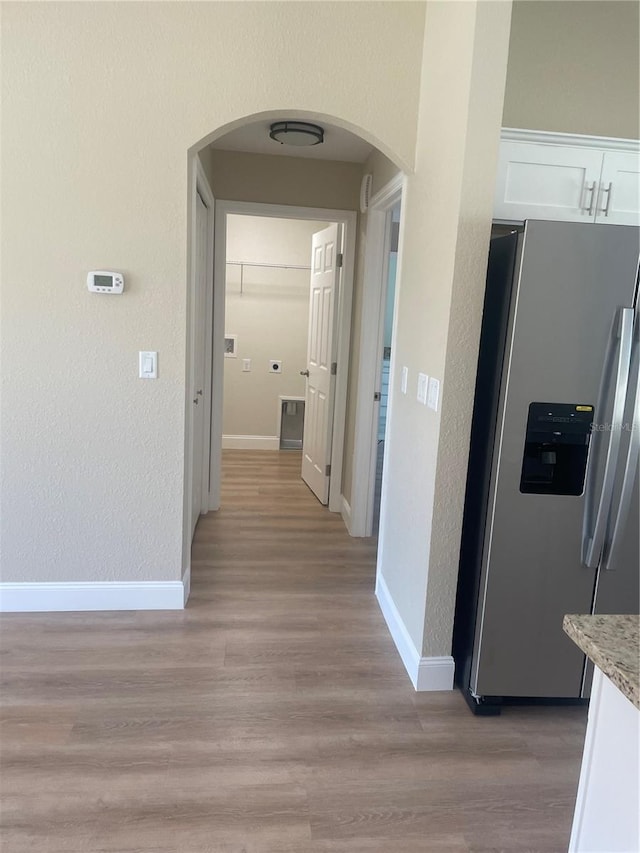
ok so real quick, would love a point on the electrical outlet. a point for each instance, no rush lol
(275, 367)
(423, 379)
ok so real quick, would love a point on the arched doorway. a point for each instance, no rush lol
(245, 167)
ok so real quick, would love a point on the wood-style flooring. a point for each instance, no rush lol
(273, 715)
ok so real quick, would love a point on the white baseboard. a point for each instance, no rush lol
(433, 673)
(345, 512)
(54, 597)
(250, 442)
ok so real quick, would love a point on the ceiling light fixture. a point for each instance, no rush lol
(296, 133)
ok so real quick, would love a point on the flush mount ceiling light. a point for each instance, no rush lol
(296, 133)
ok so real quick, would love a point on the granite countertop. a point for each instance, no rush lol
(613, 644)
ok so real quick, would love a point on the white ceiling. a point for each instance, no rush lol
(338, 144)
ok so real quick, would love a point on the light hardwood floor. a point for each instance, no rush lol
(272, 716)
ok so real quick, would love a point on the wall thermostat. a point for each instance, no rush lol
(103, 281)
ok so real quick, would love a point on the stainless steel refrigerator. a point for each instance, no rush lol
(552, 518)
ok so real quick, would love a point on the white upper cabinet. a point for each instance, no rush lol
(619, 195)
(567, 178)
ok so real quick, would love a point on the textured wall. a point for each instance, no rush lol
(574, 66)
(270, 317)
(101, 103)
(444, 242)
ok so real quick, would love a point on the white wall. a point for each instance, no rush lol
(269, 316)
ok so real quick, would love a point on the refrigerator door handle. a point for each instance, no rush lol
(597, 507)
(633, 455)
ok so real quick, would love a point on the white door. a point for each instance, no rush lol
(619, 196)
(198, 356)
(318, 415)
(546, 182)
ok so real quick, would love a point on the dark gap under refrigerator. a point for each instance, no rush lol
(552, 519)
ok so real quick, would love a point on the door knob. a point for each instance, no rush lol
(304, 373)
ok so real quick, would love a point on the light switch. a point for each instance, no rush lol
(422, 387)
(404, 379)
(433, 394)
(148, 365)
(246, 365)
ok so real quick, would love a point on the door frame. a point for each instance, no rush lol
(348, 219)
(198, 184)
(376, 267)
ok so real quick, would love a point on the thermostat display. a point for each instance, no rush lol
(103, 281)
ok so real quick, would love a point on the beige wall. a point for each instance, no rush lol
(574, 66)
(442, 265)
(270, 317)
(94, 165)
(270, 179)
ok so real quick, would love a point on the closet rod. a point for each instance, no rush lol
(243, 264)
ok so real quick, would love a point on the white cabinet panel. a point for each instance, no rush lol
(619, 195)
(546, 182)
(606, 814)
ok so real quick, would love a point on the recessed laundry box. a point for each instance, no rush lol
(291, 423)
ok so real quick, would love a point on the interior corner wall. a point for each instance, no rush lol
(92, 456)
(447, 211)
(269, 313)
(574, 67)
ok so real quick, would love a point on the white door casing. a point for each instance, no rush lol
(377, 243)
(198, 349)
(318, 426)
(216, 328)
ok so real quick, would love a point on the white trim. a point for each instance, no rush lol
(54, 597)
(198, 184)
(435, 673)
(345, 512)
(348, 219)
(575, 140)
(376, 265)
(426, 674)
(389, 194)
(250, 442)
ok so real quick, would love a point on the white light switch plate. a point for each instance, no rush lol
(423, 380)
(246, 365)
(404, 379)
(148, 365)
(433, 394)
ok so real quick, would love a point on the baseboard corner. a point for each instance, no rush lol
(435, 673)
(345, 512)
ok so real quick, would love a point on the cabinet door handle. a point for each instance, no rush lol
(606, 190)
(590, 189)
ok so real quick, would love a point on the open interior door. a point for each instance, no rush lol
(318, 421)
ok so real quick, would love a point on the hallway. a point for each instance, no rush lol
(272, 716)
